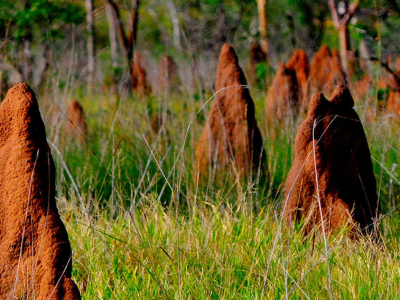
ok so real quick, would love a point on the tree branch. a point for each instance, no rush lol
(118, 21)
(350, 12)
(133, 25)
(389, 70)
(337, 22)
(334, 13)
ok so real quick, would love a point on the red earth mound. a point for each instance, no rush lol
(77, 120)
(35, 261)
(139, 76)
(331, 145)
(299, 63)
(393, 104)
(397, 65)
(325, 71)
(283, 94)
(231, 135)
(361, 87)
(168, 74)
(156, 123)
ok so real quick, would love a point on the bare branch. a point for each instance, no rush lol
(350, 12)
(334, 13)
(118, 21)
(133, 25)
(389, 70)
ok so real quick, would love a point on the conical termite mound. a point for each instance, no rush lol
(140, 85)
(231, 137)
(393, 103)
(169, 79)
(77, 120)
(325, 71)
(36, 257)
(332, 170)
(299, 63)
(283, 95)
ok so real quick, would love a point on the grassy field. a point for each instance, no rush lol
(141, 229)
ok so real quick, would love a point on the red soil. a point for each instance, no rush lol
(168, 74)
(393, 104)
(288, 93)
(299, 63)
(346, 183)
(35, 259)
(77, 120)
(231, 135)
(283, 94)
(325, 71)
(139, 76)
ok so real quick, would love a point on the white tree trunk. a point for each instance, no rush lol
(90, 40)
(175, 25)
(112, 32)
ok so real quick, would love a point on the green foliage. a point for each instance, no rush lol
(139, 225)
(33, 17)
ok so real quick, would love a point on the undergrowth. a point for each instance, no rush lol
(141, 228)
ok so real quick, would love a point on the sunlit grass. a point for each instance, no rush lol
(140, 228)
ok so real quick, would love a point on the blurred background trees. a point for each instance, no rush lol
(41, 36)
(29, 31)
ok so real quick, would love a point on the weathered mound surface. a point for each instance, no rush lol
(346, 183)
(35, 260)
(231, 133)
(168, 74)
(139, 76)
(325, 71)
(77, 120)
(299, 63)
(283, 94)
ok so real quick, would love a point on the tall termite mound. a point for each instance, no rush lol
(231, 135)
(140, 85)
(77, 120)
(299, 63)
(35, 260)
(332, 164)
(288, 92)
(325, 71)
(283, 94)
(393, 102)
(168, 74)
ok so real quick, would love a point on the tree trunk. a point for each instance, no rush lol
(27, 68)
(222, 23)
(133, 29)
(262, 18)
(344, 43)
(90, 41)
(128, 42)
(112, 32)
(45, 65)
(341, 23)
(175, 25)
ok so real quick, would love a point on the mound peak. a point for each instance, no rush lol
(36, 253)
(231, 133)
(344, 180)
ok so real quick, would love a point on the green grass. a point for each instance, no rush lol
(141, 229)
